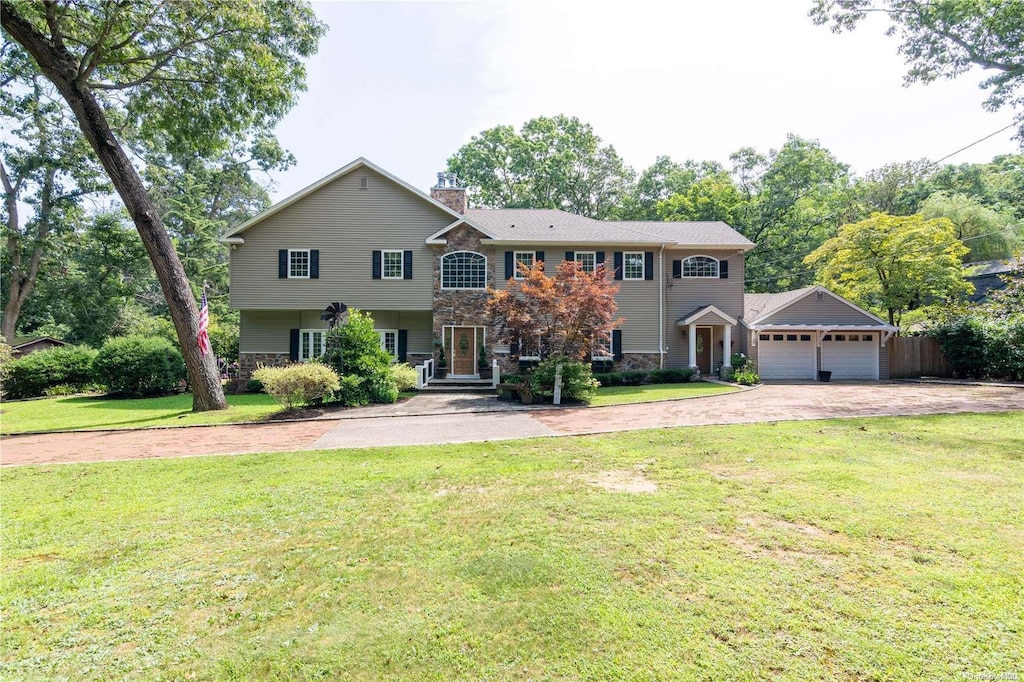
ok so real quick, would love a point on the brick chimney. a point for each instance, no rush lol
(448, 192)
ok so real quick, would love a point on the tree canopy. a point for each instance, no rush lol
(892, 263)
(946, 38)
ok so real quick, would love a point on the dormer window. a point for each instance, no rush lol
(700, 266)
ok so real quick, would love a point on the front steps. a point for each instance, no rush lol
(459, 386)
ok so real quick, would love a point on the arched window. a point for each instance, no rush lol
(463, 270)
(700, 266)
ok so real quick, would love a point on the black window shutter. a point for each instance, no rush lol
(513, 348)
(569, 255)
(314, 263)
(618, 265)
(540, 257)
(403, 341)
(407, 264)
(282, 264)
(376, 264)
(617, 343)
(648, 265)
(293, 345)
(510, 265)
(723, 269)
(677, 269)
(600, 257)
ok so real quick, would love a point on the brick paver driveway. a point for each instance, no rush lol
(768, 403)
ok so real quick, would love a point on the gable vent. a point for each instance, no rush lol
(362, 183)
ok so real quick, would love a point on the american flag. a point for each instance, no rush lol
(204, 322)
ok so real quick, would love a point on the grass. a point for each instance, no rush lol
(860, 549)
(620, 395)
(88, 412)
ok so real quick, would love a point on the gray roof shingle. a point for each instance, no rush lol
(759, 305)
(559, 227)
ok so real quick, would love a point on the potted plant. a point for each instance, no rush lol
(441, 371)
(483, 366)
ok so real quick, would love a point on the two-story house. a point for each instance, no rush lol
(421, 265)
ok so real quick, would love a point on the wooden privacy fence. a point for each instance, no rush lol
(916, 356)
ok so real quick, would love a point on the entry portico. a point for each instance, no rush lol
(700, 343)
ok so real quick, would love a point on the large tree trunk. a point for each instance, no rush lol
(61, 69)
(21, 281)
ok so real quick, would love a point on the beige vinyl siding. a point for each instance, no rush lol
(812, 310)
(688, 294)
(637, 299)
(267, 331)
(346, 224)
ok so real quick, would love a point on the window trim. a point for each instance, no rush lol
(309, 259)
(384, 265)
(625, 266)
(381, 333)
(718, 267)
(594, 357)
(453, 253)
(576, 256)
(516, 262)
(323, 343)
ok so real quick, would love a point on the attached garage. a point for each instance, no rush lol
(786, 356)
(794, 334)
(850, 356)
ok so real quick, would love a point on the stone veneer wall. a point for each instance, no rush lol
(247, 362)
(462, 306)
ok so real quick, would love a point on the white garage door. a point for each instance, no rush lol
(850, 356)
(785, 356)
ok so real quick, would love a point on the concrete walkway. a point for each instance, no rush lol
(451, 422)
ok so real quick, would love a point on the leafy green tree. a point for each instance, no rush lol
(45, 167)
(662, 180)
(892, 263)
(946, 38)
(987, 233)
(556, 162)
(195, 74)
(896, 188)
(714, 197)
(355, 353)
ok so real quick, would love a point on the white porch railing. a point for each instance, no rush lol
(424, 373)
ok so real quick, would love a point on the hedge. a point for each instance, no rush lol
(139, 366)
(32, 375)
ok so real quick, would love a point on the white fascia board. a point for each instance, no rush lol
(361, 162)
(570, 242)
(436, 237)
(231, 240)
(823, 327)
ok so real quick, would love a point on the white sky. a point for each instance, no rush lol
(406, 84)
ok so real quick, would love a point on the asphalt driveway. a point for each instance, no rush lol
(413, 423)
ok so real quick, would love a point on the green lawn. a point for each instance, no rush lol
(620, 395)
(58, 414)
(860, 549)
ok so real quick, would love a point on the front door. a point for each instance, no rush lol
(463, 351)
(704, 350)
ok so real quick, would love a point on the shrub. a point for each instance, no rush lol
(1004, 349)
(747, 376)
(6, 358)
(963, 345)
(354, 350)
(139, 366)
(404, 376)
(604, 379)
(33, 374)
(739, 361)
(634, 377)
(577, 381)
(670, 376)
(254, 386)
(297, 385)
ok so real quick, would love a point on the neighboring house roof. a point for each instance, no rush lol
(986, 276)
(232, 235)
(694, 233)
(28, 340)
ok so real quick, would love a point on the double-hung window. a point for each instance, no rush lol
(389, 341)
(391, 265)
(526, 259)
(298, 263)
(587, 260)
(603, 349)
(312, 343)
(633, 265)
